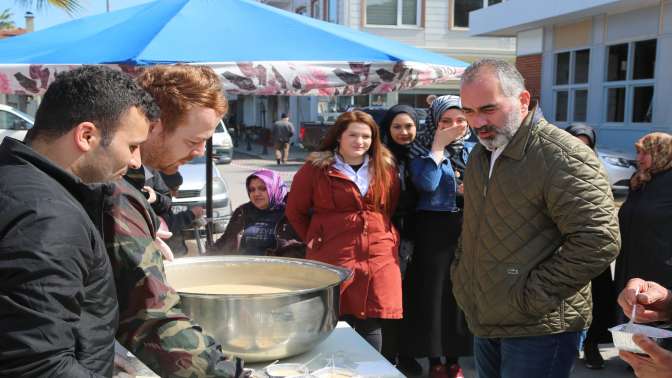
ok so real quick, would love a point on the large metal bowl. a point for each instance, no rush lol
(261, 327)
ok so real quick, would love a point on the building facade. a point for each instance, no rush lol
(596, 61)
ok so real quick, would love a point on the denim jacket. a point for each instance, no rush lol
(436, 184)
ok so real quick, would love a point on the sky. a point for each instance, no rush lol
(49, 16)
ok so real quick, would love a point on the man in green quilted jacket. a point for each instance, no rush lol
(151, 323)
(539, 224)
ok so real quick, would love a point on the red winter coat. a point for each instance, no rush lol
(345, 230)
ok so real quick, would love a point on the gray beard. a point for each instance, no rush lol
(504, 134)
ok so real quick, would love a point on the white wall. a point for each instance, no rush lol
(530, 42)
(515, 15)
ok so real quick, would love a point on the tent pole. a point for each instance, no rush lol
(208, 192)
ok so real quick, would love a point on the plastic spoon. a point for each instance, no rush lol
(271, 364)
(305, 365)
(631, 324)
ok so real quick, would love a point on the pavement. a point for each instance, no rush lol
(296, 152)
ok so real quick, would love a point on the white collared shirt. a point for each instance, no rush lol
(148, 173)
(493, 158)
(360, 178)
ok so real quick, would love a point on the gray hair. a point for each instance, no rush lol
(511, 81)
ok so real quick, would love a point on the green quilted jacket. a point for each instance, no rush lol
(534, 234)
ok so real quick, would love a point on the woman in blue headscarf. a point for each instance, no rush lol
(434, 326)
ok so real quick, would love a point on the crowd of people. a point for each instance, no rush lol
(500, 249)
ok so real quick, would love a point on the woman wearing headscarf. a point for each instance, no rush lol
(645, 217)
(398, 129)
(434, 326)
(258, 227)
(602, 286)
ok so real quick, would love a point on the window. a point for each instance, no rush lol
(332, 14)
(618, 62)
(642, 104)
(316, 9)
(561, 101)
(580, 105)
(393, 12)
(461, 9)
(615, 104)
(414, 100)
(571, 85)
(645, 59)
(562, 68)
(629, 83)
(338, 104)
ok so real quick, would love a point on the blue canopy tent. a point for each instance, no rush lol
(257, 49)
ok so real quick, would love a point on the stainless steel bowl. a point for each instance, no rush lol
(261, 327)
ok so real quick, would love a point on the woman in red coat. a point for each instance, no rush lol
(340, 204)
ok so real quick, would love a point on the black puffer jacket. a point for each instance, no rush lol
(58, 304)
(646, 227)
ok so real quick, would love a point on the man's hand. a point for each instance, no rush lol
(444, 137)
(654, 302)
(164, 233)
(658, 363)
(198, 211)
(165, 250)
(123, 368)
(152, 194)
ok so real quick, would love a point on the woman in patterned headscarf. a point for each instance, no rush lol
(434, 326)
(646, 215)
(255, 226)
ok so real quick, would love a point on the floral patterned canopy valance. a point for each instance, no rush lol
(258, 50)
(270, 78)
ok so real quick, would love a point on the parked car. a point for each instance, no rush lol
(312, 133)
(619, 165)
(192, 193)
(620, 168)
(222, 144)
(14, 123)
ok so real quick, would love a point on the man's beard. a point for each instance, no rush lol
(152, 153)
(504, 134)
(98, 167)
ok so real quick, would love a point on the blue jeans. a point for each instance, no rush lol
(550, 356)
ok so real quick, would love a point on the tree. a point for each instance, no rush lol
(6, 20)
(70, 6)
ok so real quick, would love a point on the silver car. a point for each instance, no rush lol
(14, 123)
(620, 167)
(192, 193)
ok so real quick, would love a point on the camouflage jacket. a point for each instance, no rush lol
(151, 324)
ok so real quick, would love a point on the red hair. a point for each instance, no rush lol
(180, 87)
(380, 158)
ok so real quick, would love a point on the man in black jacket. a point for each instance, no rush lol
(58, 305)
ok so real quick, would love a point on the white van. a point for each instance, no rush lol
(222, 145)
